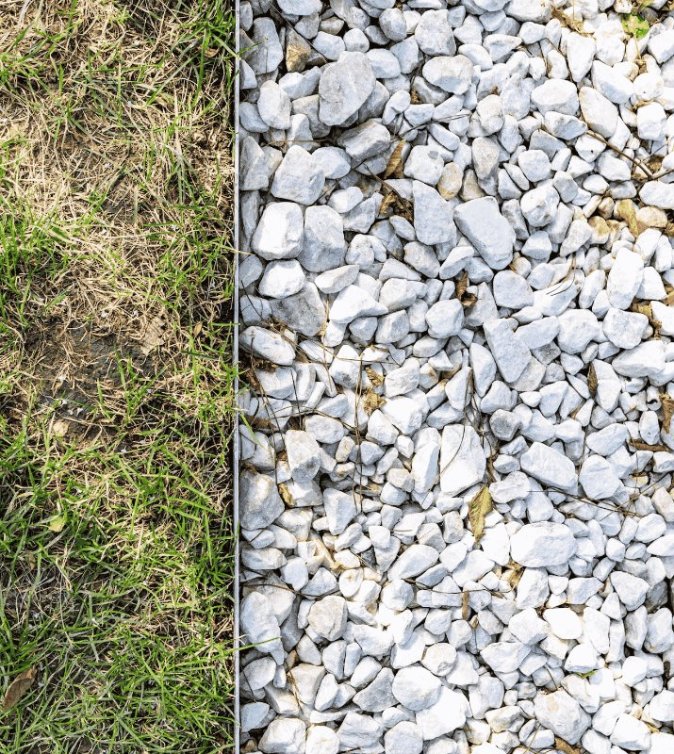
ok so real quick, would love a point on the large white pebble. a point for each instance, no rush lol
(543, 544)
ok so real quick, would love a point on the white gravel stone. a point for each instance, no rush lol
(550, 467)
(284, 736)
(279, 233)
(260, 626)
(484, 226)
(462, 463)
(261, 503)
(344, 87)
(661, 707)
(298, 178)
(415, 560)
(658, 194)
(274, 105)
(457, 346)
(432, 215)
(556, 95)
(630, 589)
(598, 478)
(445, 319)
(631, 734)
(444, 717)
(327, 617)
(511, 354)
(624, 278)
(561, 713)
(451, 74)
(322, 740)
(416, 688)
(543, 544)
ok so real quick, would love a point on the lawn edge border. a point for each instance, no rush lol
(235, 360)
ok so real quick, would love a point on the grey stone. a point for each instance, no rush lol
(298, 178)
(268, 345)
(273, 106)
(260, 627)
(304, 312)
(486, 228)
(281, 279)
(284, 736)
(451, 74)
(432, 215)
(266, 53)
(280, 231)
(543, 544)
(511, 354)
(253, 166)
(261, 503)
(344, 87)
(324, 246)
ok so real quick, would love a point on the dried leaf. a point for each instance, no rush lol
(153, 337)
(394, 204)
(479, 506)
(641, 445)
(654, 163)
(56, 524)
(394, 167)
(467, 299)
(387, 204)
(284, 492)
(461, 285)
(592, 379)
(565, 747)
(371, 401)
(328, 560)
(667, 410)
(514, 574)
(18, 687)
(626, 210)
(60, 428)
(465, 606)
(641, 307)
(375, 378)
(570, 21)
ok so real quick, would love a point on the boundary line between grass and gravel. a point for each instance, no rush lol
(235, 359)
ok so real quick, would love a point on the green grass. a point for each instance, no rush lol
(116, 383)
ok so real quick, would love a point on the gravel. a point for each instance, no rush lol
(457, 314)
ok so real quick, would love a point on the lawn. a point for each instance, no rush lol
(116, 380)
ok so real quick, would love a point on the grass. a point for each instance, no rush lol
(116, 383)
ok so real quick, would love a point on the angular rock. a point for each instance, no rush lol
(280, 231)
(561, 714)
(486, 228)
(462, 461)
(550, 467)
(542, 544)
(344, 87)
